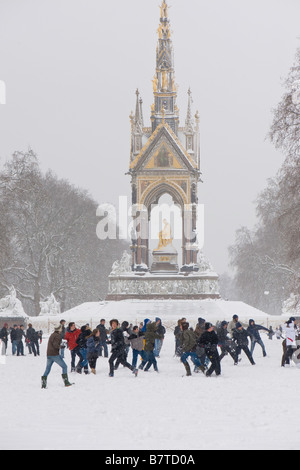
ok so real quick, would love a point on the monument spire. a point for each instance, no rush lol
(164, 87)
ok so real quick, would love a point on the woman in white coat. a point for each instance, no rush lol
(290, 330)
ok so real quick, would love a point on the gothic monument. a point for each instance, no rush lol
(164, 160)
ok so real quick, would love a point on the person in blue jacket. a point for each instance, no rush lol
(253, 329)
(93, 349)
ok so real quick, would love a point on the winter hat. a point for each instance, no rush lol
(201, 320)
(124, 325)
(223, 323)
(238, 325)
(235, 317)
(57, 328)
(208, 325)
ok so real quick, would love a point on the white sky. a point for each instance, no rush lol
(71, 68)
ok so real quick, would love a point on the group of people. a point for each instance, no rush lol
(16, 335)
(201, 344)
(205, 345)
(86, 346)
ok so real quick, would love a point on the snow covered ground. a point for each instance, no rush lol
(247, 407)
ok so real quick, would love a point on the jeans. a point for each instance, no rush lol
(20, 348)
(135, 354)
(157, 347)
(194, 358)
(258, 341)
(84, 362)
(149, 360)
(103, 345)
(75, 352)
(59, 361)
(14, 346)
(32, 346)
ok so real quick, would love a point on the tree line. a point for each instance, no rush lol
(266, 259)
(48, 241)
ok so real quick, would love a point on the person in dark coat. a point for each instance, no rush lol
(13, 339)
(4, 337)
(209, 340)
(81, 341)
(177, 331)
(159, 342)
(151, 335)
(103, 337)
(20, 334)
(31, 338)
(63, 334)
(200, 327)
(38, 339)
(240, 336)
(225, 342)
(253, 329)
(118, 352)
(188, 345)
(93, 346)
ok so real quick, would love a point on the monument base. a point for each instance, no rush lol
(147, 286)
(164, 262)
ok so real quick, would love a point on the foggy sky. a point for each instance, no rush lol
(71, 68)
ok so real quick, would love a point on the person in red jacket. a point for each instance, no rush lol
(71, 336)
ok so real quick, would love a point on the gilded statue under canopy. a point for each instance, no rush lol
(165, 236)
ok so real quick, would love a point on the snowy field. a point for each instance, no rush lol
(247, 407)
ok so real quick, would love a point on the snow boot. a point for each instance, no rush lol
(135, 372)
(44, 381)
(93, 371)
(187, 368)
(66, 380)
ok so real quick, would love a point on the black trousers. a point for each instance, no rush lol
(228, 349)
(20, 348)
(120, 357)
(246, 351)
(214, 358)
(92, 358)
(288, 355)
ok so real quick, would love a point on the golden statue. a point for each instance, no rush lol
(154, 81)
(164, 10)
(165, 236)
